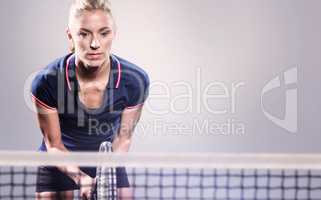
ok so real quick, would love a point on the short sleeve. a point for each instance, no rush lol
(42, 91)
(138, 89)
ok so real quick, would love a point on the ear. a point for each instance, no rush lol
(114, 26)
(69, 36)
(70, 40)
(114, 31)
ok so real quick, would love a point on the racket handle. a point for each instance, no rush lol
(94, 193)
(94, 196)
(106, 177)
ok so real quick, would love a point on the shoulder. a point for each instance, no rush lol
(44, 87)
(50, 73)
(132, 74)
(134, 81)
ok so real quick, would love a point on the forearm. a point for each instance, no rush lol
(121, 144)
(71, 171)
(129, 120)
(123, 139)
(50, 128)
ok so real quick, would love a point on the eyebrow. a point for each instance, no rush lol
(101, 29)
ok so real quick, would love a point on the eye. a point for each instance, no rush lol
(83, 34)
(105, 33)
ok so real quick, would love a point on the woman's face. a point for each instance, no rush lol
(91, 34)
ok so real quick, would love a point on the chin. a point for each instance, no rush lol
(94, 63)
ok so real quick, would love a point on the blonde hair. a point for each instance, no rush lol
(78, 6)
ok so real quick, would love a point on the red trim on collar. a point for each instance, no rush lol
(119, 72)
(67, 73)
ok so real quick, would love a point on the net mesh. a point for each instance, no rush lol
(271, 177)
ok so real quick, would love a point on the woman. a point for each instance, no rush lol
(85, 98)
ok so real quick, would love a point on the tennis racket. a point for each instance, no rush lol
(106, 180)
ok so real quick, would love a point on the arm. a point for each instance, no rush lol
(50, 128)
(129, 119)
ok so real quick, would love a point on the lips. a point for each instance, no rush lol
(94, 56)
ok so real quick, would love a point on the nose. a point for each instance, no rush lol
(94, 44)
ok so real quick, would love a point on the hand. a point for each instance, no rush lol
(86, 184)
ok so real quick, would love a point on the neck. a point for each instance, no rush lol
(88, 73)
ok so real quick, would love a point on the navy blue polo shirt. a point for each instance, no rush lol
(83, 129)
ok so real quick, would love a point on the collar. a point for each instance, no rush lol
(114, 74)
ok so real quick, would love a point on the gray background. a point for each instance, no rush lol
(225, 41)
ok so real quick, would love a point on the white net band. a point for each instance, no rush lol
(160, 160)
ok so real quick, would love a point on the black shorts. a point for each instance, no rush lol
(51, 179)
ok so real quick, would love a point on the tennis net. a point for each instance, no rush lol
(176, 176)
